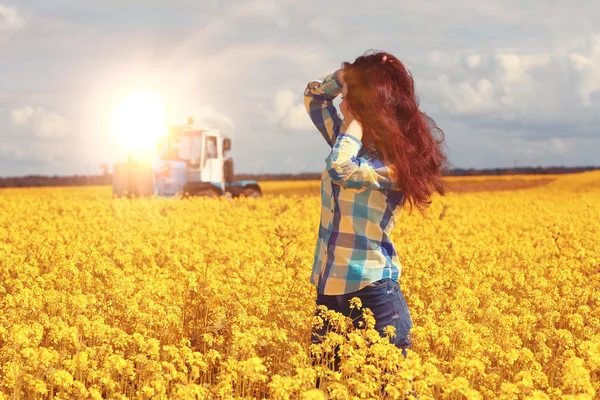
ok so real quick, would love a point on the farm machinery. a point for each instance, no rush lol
(189, 161)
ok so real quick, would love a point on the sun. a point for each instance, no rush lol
(140, 120)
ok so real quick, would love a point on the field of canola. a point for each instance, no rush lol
(210, 298)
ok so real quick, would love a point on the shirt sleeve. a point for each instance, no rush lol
(352, 172)
(318, 100)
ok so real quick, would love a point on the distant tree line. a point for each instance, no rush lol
(521, 171)
(451, 172)
(42, 180)
(106, 179)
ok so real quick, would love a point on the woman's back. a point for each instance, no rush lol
(354, 247)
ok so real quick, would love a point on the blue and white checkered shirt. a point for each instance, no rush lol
(359, 203)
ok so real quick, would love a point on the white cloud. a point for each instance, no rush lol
(214, 119)
(474, 60)
(518, 149)
(515, 84)
(585, 65)
(20, 116)
(443, 59)
(462, 97)
(232, 18)
(270, 10)
(43, 123)
(10, 20)
(10, 152)
(290, 111)
(284, 101)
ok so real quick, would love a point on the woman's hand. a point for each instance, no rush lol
(340, 76)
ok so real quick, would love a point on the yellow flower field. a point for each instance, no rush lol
(210, 298)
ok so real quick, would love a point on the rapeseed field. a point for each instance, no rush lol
(210, 298)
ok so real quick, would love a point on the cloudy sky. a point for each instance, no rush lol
(509, 81)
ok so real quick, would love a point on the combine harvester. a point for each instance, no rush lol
(190, 161)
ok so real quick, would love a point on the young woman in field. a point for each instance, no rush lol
(384, 155)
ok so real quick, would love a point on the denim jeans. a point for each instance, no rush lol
(385, 299)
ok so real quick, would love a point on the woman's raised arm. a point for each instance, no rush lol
(318, 99)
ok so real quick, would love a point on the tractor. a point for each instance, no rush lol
(190, 161)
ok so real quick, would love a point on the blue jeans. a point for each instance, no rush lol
(385, 299)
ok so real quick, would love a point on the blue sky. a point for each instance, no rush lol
(510, 82)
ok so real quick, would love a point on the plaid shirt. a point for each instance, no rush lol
(359, 204)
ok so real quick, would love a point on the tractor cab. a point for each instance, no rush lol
(191, 161)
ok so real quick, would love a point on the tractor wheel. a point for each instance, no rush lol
(209, 192)
(250, 192)
(204, 192)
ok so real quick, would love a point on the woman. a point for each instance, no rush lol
(384, 156)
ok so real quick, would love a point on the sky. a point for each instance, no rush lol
(510, 82)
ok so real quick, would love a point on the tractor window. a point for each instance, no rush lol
(179, 149)
(211, 147)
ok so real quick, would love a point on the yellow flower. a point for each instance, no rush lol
(210, 298)
(313, 394)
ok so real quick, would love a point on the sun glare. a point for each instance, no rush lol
(140, 120)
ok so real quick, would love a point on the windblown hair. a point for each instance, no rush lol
(381, 96)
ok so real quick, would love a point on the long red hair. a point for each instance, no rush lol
(381, 96)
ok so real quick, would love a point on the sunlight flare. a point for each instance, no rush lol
(140, 120)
